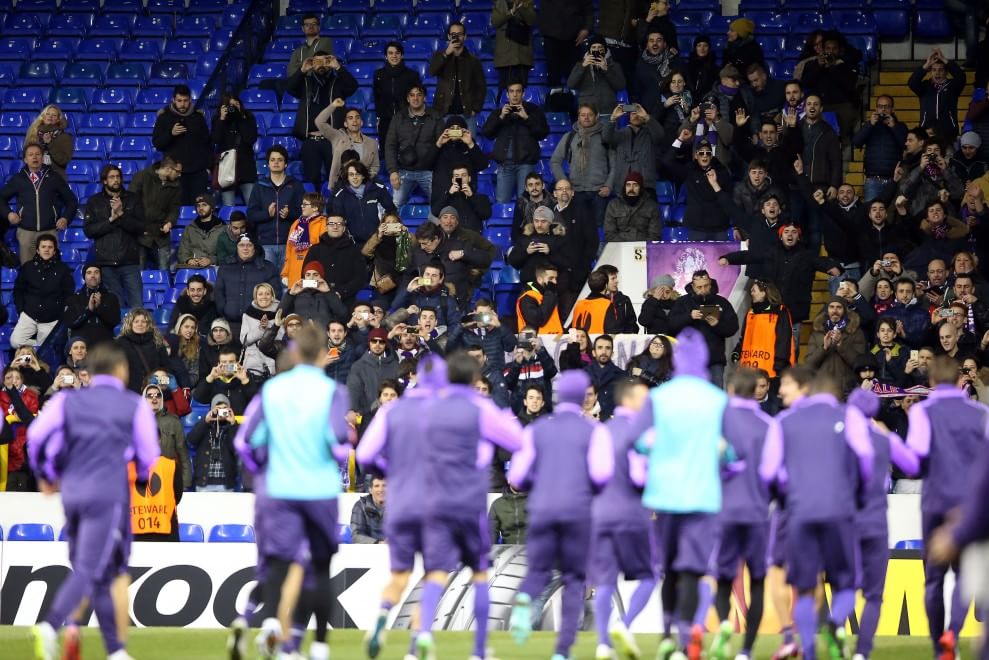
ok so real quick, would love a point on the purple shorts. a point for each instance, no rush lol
(828, 546)
(625, 549)
(742, 541)
(873, 560)
(404, 541)
(99, 537)
(292, 525)
(686, 541)
(449, 542)
(777, 538)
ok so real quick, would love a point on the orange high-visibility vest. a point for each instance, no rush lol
(151, 509)
(759, 342)
(552, 326)
(590, 314)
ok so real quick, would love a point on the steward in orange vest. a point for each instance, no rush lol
(596, 314)
(154, 509)
(537, 306)
(766, 339)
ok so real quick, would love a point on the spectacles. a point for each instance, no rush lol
(334, 224)
(705, 153)
(456, 34)
(152, 395)
(376, 341)
(310, 24)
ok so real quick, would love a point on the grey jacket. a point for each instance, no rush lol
(634, 150)
(367, 521)
(598, 171)
(599, 88)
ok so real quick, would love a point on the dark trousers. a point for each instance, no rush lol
(597, 204)
(193, 184)
(317, 155)
(561, 54)
(125, 283)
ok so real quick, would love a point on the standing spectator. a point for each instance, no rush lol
(303, 234)
(171, 436)
(836, 342)
(704, 219)
(812, 49)
(616, 26)
(939, 94)
(367, 373)
(777, 149)
(658, 18)
(751, 192)
(319, 81)
(158, 189)
(235, 127)
(564, 25)
(763, 97)
(312, 45)
(821, 158)
(144, 346)
(543, 242)
(623, 304)
(344, 267)
(507, 517)
(391, 86)
(532, 366)
(596, 78)
(41, 289)
(197, 249)
(410, 147)
(253, 325)
(456, 148)
(882, 136)
(45, 202)
(835, 82)
(516, 130)
(236, 279)
(460, 85)
(634, 148)
(348, 138)
(213, 439)
(226, 245)
(655, 312)
(742, 50)
(472, 208)
(48, 131)
(604, 374)
(932, 181)
(20, 405)
(702, 68)
(436, 248)
(588, 160)
(275, 200)
(581, 242)
(367, 516)
(673, 102)
(362, 201)
(313, 299)
(482, 251)
(92, 312)
(180, 131)
(719, 105)
(634, 215)
(115, 221)
(513, 21)
(656, 63)
(712, 315)
(197, 301)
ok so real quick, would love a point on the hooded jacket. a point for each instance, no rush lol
(365, 377)
(274, 231)
(596, 87)
(639, 222)
(161, 201)
(714, 336)
(367, 521)
(508, 519)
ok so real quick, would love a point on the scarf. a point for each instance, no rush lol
(727, 91)
(582, 141)
(939, 231)
(830, 325)
(661, 62)
(207, 224)
(358, 191)
(933, 171)
(187, 113)
(300, 235)
(881, 306)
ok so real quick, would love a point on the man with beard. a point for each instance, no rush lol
(836, 342)
(344, 268)
(181, 132)
(634, 216)
(841, 222)
(197, 299)
(704, 219)
(910, 314)
(882, 136)
(197, 249)
(429, 290)
(537, 306)
(763, 96)
(391, 84)
(657, 62)
(516, 129)
(534, 196)
(775, 148)
(160, 194)
(588, 162)
(581, 240)
(92, 312)
(712, 315)
(931, 180)
(115, 221)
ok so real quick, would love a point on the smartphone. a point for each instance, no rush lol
(426, 281)
(573, 336)
(393, 227)
(915, 356)
(945, 313)
(459, 181)
(364, 316)
(309, 284)
(455, 132)
(68, 379)
(333, 352)
(629, 107)
(513, 108)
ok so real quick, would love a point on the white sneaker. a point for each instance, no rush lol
(858, 656)
(624, 642)
(45, 641)
(488, 655)
(268, 639)
(119, 654)
(742, 656)
(679, 655)
(604, 652)
(319, 651)
(237, 639)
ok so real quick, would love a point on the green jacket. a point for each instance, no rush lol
(508, 52)
(509, 519)
(171, 440)
(161, 205)
(225, 247)
(197, 243)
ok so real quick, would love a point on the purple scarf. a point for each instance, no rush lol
(300, 235)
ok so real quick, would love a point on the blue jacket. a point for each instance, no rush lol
(883, 146)
(362, 214)
(235, 282)
(447, 311)
(274, 231)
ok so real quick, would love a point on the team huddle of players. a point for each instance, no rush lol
(677, 486)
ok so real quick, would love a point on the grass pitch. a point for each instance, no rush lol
(172, 643)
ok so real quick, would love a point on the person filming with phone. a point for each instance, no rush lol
(229, 378)
(213, 439)
(597, 78)
(516, 130)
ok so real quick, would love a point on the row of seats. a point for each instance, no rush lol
(96, 7)
(188, 533)
(161, 26)
(112, 49)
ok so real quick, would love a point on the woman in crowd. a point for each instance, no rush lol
(675, 100)
(577, 353)
(654, 364)
(390, 251)
(702, 68)
(360, 202)
(35, 372)
(184, 343)
(813, 48)
(48, 131)
(766, 338)
(144, 346)
(303, 234)
(255, 321)
(891, 356)
(884, 297)
(20, 405)
(175, 399)
(76, 350)
(656, 305)
(235, 127)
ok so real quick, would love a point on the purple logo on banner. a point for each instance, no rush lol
(680, 260)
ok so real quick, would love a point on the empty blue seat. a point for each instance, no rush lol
(91, 7)
(16, 49)
(853, 22)
(195, 26)
(260, 99)
(57, 49)
(356, 5)
(343, 25)
(142, 50)
(124, 7)
(185, 50)
(182, 275)
(120, 99)
(932, 26)
(104, 49)
(84, 73)
(168, 73)
(386, 25)
(477, 24)
(31, 532)
(159, 27)
(71, 98)
(344, 533)
(260, 72)
(909, 544)
(674, 234)
(231, 534)
(166, 6)
(153, 98)
(157, 279)
(21, 24)
(191, 533)
(25, 98)
(82, 171)
(128, 73)
(6, 74)
(15, 122)
(131, 144)
(113, 25)
(428, 25)
(40, 74)
(289, 25)
(892, 24)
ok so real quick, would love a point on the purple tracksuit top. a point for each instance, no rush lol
(870, 520)
(949, 431)
(85, 438)
(395, 441)
(812, 448)
(619, 504)
(744, 497)
(566, 457)
(462, 429)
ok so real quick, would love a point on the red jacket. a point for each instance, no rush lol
(16, 454)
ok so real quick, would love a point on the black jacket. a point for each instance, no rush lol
(315, 92)
(581, 243)
(39, 207)
(116, 243)
(742, 53)
(416, 136)
(391, 87)
(316, 305)
(190, 148)
(239, 131)
(883, 146)
(821, 153)
(95, 326)
(939, 108)
(362, 214)
(716, 335)
(204, 312)
(835, 83)
(343, 264)
(449, 157)
(42, 287)
(238, 393)
(840, 228)
(472, 211)
(703, 213)
(523, 135)
(143, 357)
(235, 282)
(779, 159)
(520, 258)
(655, 316)
(200, 439)
(537, 314)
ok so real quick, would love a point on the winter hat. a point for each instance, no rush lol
(543, 213)
(455, 120)
(596, 39)
(865, 400)
(571, 386)
(316, 266)
(743, 27)
(864, 361)
(729, 71)
(206, 198)
(634, 176)
(218, 399)
(701, 144)
(377, 333)
(431, 371)
(181, 319)
(971, 139)
(839, 299)
(292, 317)
(93, 264)
(662, 280)
(449, 210)
(690, 354)
(220, 323)
(702, 39)
(72, 340)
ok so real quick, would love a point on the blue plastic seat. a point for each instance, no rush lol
(909, 544)
(13, 122)
(128, 73)
(131, 144)
(31, 532)
(427, 25)
(344, 533)
(932, 26)
(195, 26)
(386, 25)
(22, 24)
(259, 99)
(260, 72)
(478, 25)
(355, 5)
(231, 534)
(39, 74)
(120, 99)
(182, 275)
(6, 74)
(113, 25)
(168, 73)
(153, 98)
(71, 98)
(82, 171)
(166, 6)
(91, 7)
(25, 98)
(99, 123)
(16, 49)
(892, 24)
(853, 22)
(157, 27)
(102, 49)
(343, 25)
(289, 25)
(674, 234)
(184, 50)
(142, 50)
(84, 73)
(395, 6)
(191, 533)
(56, 49)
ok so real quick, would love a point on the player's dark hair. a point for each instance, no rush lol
(800, 373)
(597, 281)
(105, 358)
(825, 383)
(743, 382)
(462, 369)
(944, 370)
(624, 388)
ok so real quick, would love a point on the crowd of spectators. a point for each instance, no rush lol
(754, 157)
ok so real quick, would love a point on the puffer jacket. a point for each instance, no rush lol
(883, 146)
(362, 214)
(117, 243)
(508, 517)
(235, 282)
(251, 333)
(42, 287)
